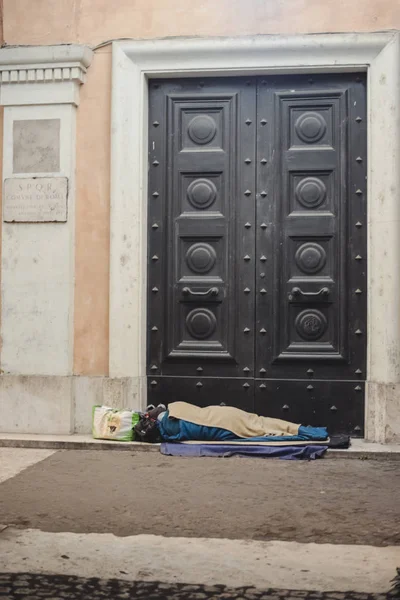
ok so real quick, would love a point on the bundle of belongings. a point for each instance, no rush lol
(114, 424)
(188, 430)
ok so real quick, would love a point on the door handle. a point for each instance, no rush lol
(296, 291)
(214, 291)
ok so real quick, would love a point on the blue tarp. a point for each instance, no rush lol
(177, 430)
(308, 452)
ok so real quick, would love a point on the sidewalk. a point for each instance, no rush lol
(130, 493)
(359, 448)
(83, 524)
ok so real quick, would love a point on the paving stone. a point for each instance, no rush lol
(59, 587)
(184, 588)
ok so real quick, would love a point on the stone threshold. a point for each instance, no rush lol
(359, 449)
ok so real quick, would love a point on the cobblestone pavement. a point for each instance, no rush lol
(59, 587)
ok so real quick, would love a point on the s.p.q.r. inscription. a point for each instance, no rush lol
(35, 200)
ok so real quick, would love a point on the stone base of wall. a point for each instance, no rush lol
(61, 405)
(382, 412)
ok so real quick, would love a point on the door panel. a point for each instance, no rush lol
(337, 404)
(257, 245)
(310, 308)
(313, 229)
(203, 391)
(205, 189)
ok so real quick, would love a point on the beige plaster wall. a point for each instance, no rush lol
(1, 21)
(1, 210)
(1, 156)
(92, 219)
(95, 21)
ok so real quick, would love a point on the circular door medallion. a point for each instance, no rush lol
(311, 192)
(310, 127)
(201, 258)
(202, 129)
(201, 323)
(311, 324)
(310, 258)
(201, 193)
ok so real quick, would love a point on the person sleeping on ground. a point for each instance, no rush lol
(184, 422)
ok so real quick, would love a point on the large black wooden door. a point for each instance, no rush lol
(257, 246)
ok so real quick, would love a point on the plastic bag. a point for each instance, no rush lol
(114, 424)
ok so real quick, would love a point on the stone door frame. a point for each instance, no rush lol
(136, 62)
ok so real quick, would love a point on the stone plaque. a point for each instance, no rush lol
(35, 200)
(36, 146)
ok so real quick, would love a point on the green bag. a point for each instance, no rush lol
(114, 423)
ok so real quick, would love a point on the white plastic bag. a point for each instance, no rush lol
(113, 423)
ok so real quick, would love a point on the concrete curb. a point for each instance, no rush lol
(79, 445)
(368, 453)
(363, 454)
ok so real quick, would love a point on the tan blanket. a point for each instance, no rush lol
(241, 423)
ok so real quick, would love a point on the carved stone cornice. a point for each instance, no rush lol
(42, 74)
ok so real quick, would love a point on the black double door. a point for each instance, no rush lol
(257, 246)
